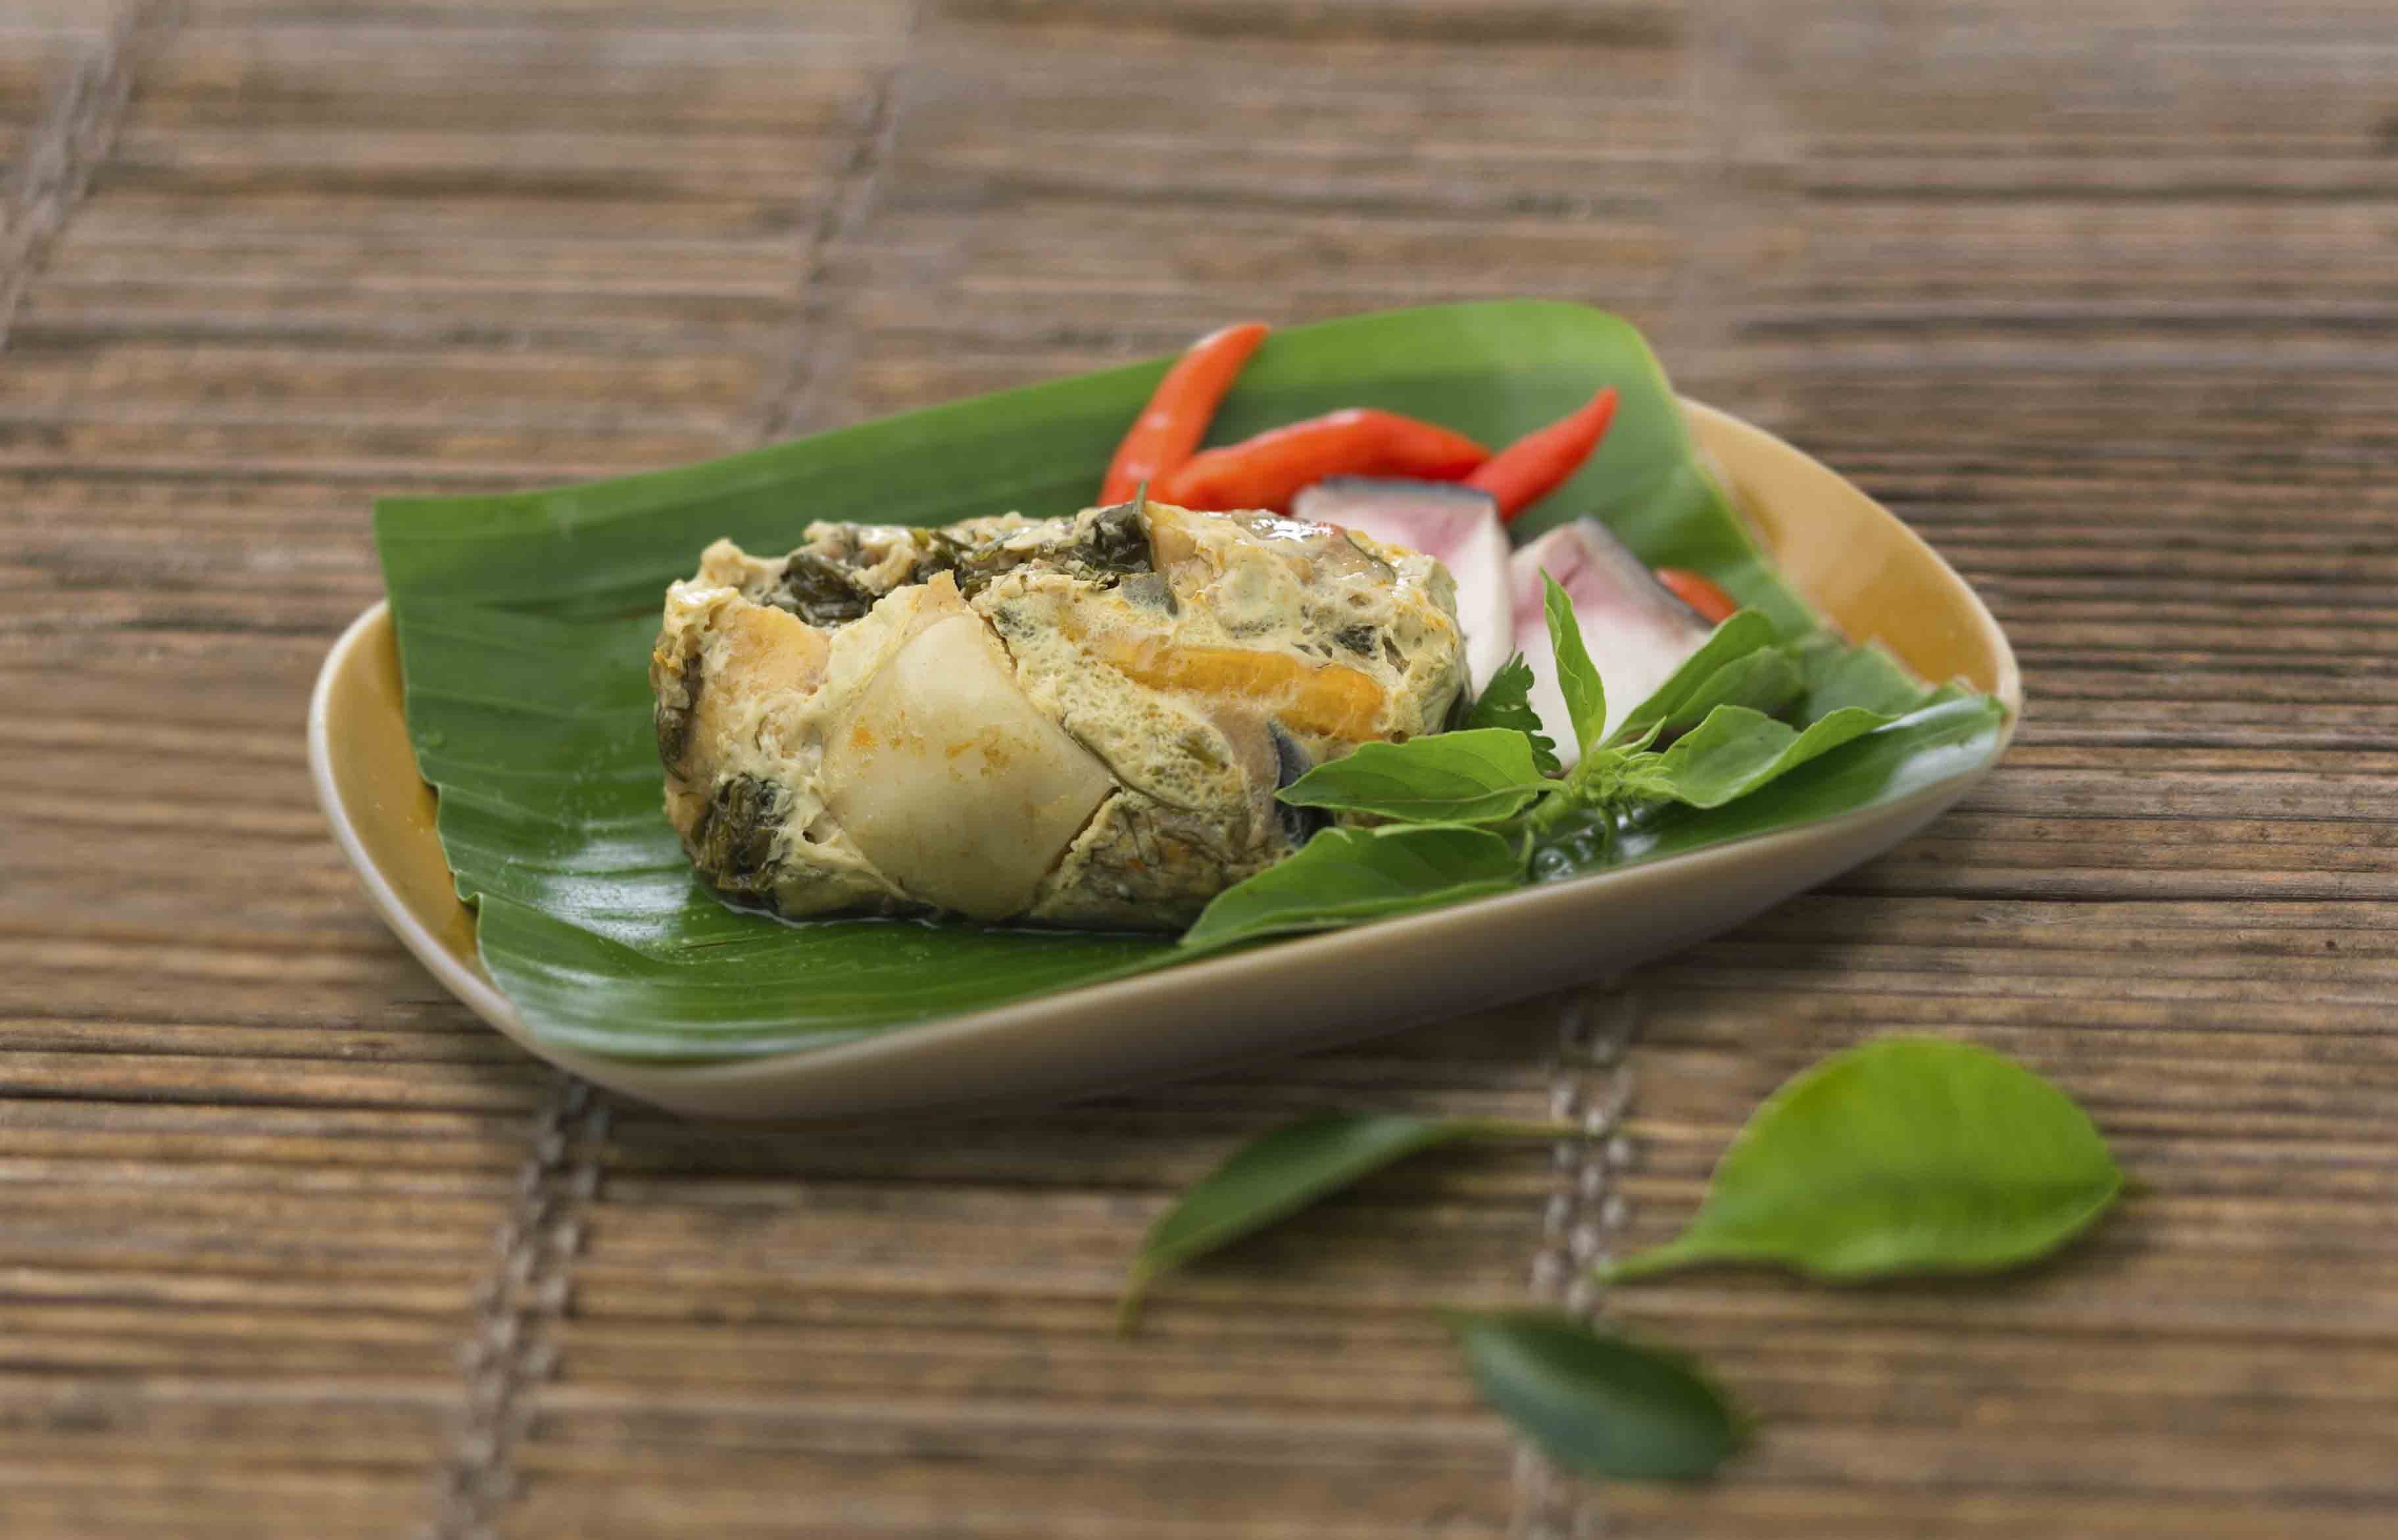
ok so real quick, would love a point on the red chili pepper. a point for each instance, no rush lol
(1713, 603)
(1268, 471)
(1176, 419)
(1538, 463)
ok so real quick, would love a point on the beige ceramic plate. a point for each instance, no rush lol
(1857, 563)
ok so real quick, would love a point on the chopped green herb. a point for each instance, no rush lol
(1506, 701)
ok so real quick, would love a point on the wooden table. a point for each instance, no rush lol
(2103, 298)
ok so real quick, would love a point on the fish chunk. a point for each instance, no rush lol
(1637, 632)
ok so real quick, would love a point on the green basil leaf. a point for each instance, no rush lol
(1909, 1155)
(1837, 677)
(1480, 775)
(1506, 701)
(1345, 876)
(1578, 677)
(1737, 750)
(1765, 680)
(1277, 1174)
(1595, 1402)
(1741, 634)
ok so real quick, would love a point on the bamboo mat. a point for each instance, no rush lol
(2104, 299)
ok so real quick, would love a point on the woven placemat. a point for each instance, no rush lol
(2102, 301)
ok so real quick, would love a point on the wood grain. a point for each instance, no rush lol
(2102, 303)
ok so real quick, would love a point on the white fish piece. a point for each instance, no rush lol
(1637, 632)
(1456, 525)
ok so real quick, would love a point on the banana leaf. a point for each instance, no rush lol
(525, 621)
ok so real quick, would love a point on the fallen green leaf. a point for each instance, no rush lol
(1909, 1154)
(1277, 1174)
(1597, 1402)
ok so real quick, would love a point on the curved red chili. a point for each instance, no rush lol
(1268, 471)
(1700, 593)
(1170, 427)
(1538, 463)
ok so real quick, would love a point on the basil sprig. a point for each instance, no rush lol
(1461, 814)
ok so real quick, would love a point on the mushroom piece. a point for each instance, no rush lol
(1637, 631)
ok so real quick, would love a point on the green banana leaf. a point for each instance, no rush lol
(525, 621)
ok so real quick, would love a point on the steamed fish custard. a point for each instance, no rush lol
(1077, 722)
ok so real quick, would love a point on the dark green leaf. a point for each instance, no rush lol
(1738, 636)
(1737, 750)
(1479, 776)
(525, 621)
(1345, 876)
(1905, 1156)
(744, 991)
(1578, 677)
(1595, 1402)
(1277, 1174)
(1506, 701)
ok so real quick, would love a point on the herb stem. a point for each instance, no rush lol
(1521, 1127)
(1550, 812)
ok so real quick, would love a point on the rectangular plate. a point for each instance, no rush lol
(1843, 553)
